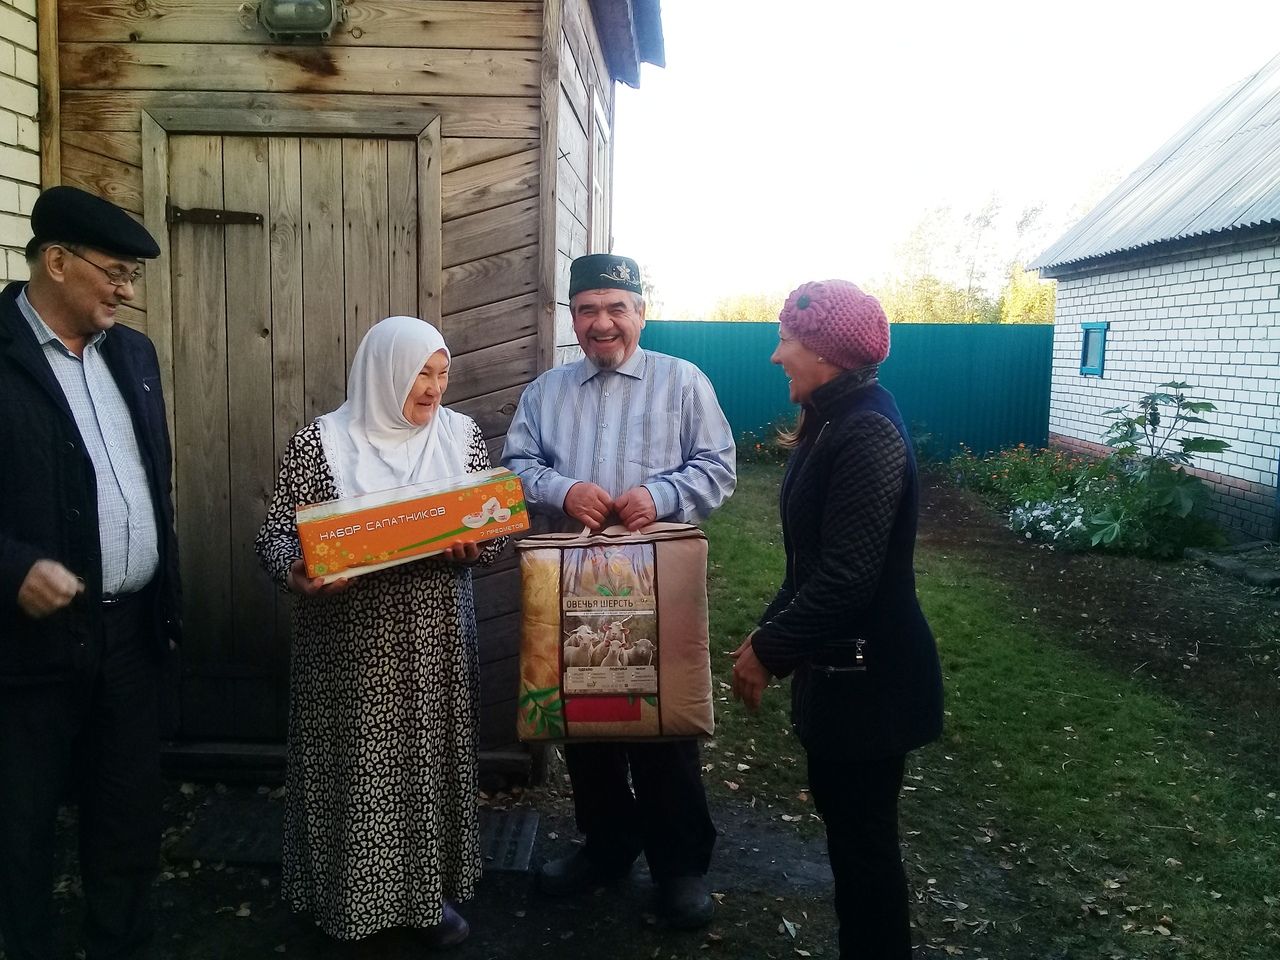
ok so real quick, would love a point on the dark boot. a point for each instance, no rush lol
(449, 932)
(576, 873)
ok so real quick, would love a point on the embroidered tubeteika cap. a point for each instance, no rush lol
(604, 271)
(838, 322)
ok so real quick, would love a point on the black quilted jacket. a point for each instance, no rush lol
(849, 505)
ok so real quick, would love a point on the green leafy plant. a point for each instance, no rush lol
(1145, 437)
(1140, 499)
(1156, 514)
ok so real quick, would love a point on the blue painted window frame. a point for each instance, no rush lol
(1101, 331)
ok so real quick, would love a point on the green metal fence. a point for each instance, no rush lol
(984, 385)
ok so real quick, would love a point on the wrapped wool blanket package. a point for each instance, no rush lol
(614, 641)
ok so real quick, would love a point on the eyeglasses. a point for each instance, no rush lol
(117, 276)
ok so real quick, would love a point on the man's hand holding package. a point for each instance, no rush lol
(589, 504)
(635, 508)
(47, 588)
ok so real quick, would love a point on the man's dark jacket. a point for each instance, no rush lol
(849, 509)
(49, 500)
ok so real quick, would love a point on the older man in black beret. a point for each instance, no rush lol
(89, 601)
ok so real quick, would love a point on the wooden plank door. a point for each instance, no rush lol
(266, 317)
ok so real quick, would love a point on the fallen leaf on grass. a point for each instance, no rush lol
(243, 911)
(787, 927)
(731, 785)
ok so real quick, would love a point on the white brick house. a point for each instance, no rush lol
(1176, 276)
(19, 133)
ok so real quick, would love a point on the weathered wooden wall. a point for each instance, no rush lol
(583, 73)
(477, 64)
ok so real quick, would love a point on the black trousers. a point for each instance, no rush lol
(858, 801)
(662, 812)
(99, 734)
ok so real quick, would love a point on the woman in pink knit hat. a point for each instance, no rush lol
(846, 625)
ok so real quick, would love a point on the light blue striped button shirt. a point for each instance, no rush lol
(654, 421)
(126, 515)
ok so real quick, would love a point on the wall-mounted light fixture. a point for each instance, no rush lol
(305, 20)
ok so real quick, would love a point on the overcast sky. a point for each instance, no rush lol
(798, 141)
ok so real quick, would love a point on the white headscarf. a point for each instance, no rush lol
(368, 442)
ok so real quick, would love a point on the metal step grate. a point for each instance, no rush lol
(248, 830)
(234, 830)
(506, 839)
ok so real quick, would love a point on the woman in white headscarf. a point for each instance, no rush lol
(380, 817)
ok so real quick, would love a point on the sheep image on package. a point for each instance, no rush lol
(614, 641)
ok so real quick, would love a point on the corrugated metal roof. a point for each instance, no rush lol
(1220, 172)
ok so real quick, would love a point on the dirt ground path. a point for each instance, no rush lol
(1205, 639)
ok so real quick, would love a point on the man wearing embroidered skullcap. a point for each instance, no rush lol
(630, 436)
(88, 578)
(846, 625)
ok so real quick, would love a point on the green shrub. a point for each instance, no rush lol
(1159, 515)
(1140, 499)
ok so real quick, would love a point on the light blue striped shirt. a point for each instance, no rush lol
(126, 516)
(654, 421)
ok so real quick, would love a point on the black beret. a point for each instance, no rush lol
(604, 271)
(71, 215)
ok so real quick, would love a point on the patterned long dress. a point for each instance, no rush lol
(381, 810)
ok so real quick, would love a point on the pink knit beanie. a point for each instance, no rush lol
(838, 322)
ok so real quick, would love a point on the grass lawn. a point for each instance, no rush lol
(1070, 811)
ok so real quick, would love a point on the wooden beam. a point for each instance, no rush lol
(115, 181)
(273, 114)
(493, 411)
(552, 25)
(403, 227)
(491, 324)
(49, 116)
(252, 67)
(491, 369)
(501, 25)
(498, 277)
(491, 231)
(125, 147)
(491, 184)
(462, 152)
(155, 191)
(430, 240)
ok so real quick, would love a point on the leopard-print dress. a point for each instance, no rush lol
(381, 810)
